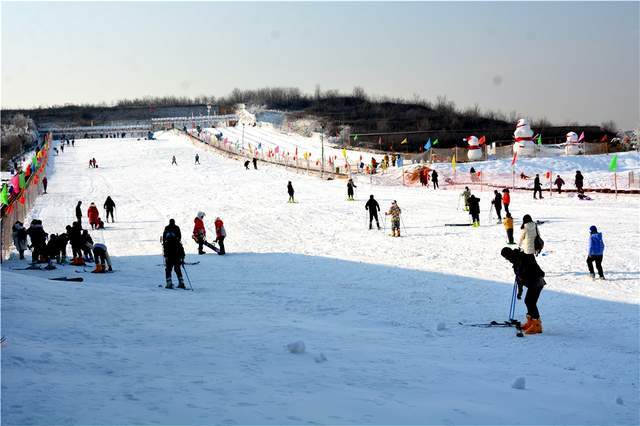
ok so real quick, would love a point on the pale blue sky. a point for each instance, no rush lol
(574, 61)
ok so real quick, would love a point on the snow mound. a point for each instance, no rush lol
(519, 383)
(296, 347)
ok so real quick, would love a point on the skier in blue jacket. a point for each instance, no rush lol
(596, 251)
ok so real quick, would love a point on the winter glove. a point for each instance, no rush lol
(110, 269)
(519, 295)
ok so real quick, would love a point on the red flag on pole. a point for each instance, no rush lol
(482, 141)
(581, 138)
(604, 138)
(515, 158)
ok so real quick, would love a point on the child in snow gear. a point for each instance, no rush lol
(596, 251)
(579, 181)
(38, 241)
(497, 204)
(220, 235)
(44, 184)
(434, 179)
(173, 253)
(508, 226)
(394, 211)
(506, 199)
(173, 161)
(559, 182)
(246, 164)
(79, 212)
(19, 234)
(109, 206)
(101, 255)
(350, 186)
(465, 195)
(528, 274)
(93, 214)
(290, 192)
(200, 234)
(537, 188)
(474, 210)
(528, 235)
(373, 207)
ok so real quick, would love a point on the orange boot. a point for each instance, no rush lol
(536, 327)
(527, 324)
(99, 269)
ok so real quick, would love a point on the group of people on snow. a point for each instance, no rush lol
(93, 164)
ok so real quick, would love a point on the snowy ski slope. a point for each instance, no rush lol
(379, 316)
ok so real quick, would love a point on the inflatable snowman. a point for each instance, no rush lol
(572, 146)
(523, 136)
(474, 153)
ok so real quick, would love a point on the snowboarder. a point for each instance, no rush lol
(200, 234)
(596, 251)
(506, 199)
(44, 184)
(465, 195)
(109, 206)
(350, 186)
(173, 253)
(497, 204)
(197, 159)
(79, 212)
(173, 161)
(255, 163)
(102, 258)
(19, 234)
(221, 234)
(537, 188)
(290, 191)
(434, 179)
(529, 232)
(246, 164)
(373, 207)
(38, 240)
(93, 213)
(559, 182)
(528, 274)
(508, 226)
(474, 210)
(579, 181)
(395, 212)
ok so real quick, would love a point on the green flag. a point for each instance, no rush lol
(355, 137)
(539, 140)
(4, 195)
(435, 142)
(613, 166)
(22, 181)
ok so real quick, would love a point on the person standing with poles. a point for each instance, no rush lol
(506, 199)
(109, 206)
(395, 212)
(373, 207)
(350, 186)
(173, 253)
(474, 210)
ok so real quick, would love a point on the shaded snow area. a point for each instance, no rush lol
(311, 318)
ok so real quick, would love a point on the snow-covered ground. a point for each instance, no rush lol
(379, 316)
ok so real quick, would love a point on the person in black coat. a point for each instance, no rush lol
(373, 207)
(246, 165)
(173, 253)
(109, 206)
(290, 192)
(79, 212)
(528, 274)
(559, 182)
(350, 186)
(434, 179)
(579, 181)
(38, 240)
(497, 204)
(86, 244)
(474, 210)
(75, 235)
(255, 163)
(537, 188)
(63, 239)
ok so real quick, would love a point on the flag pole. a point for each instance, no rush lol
(513, 175)
(615, 182)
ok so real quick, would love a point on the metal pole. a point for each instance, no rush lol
(242, 135)
(322, 143)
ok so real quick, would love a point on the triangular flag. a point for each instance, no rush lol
(435, 142)
(581, 138)
(404, 141)
(427, 145)
(453, 163)
(604, 138)
(344, 152)
(613, 166)
(539, 140)
(355, 137)
(379, 140)
(4, 194)
(515, 158)
(21, 180)
(482, 141)
(277, 150)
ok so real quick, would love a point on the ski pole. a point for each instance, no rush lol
(403, 227)
(458, 205)
(187, 275)
(512, 307)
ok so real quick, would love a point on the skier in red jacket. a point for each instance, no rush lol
(93, 213)
(220, 234)
(200, 234)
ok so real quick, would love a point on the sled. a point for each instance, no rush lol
(72, 279)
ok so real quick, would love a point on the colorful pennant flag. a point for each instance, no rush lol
(22, 180)
(515, 158)
(427, 145)
(482, 141)
(539, 140)
(605, 138)
(581, 138)
(277, 150)
(344, 152)
(355, 137)
(453, 163)
(613, 166)
(4, 194)
(435, 142)
(404, 141)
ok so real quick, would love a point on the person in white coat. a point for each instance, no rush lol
(528, 233)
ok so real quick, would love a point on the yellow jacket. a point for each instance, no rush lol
(508, 222)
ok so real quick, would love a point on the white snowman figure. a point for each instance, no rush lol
(523, 139)
(474, 152)
(572, 145)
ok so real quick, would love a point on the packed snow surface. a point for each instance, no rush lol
(378, 316)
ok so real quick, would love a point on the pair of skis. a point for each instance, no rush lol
(505, 324)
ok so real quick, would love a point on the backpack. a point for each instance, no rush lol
(538, 243)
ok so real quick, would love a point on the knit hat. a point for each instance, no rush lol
(200, 215)
(593, 229)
